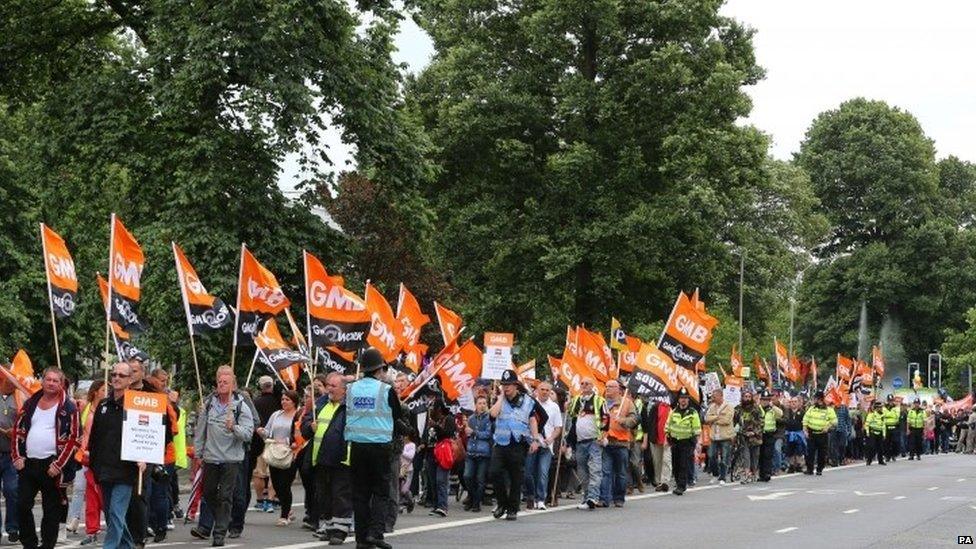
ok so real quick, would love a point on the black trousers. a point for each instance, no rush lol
(370, 466)
(33, 478)
(137, 517)
(304, 459)
(766, 456)
(891, 443)
(281, 480)
(507, 470)
(817, 452)
(333, 491)
(876, 447)
(680, 460)
(219, 486)
(915, 442)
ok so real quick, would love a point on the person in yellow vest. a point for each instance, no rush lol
(636, 454)
(682, 429)
(892, 413)
(916, 426)
(181, 454)
(324, 426)
(771, 414)
(874, 429)
(817, 422)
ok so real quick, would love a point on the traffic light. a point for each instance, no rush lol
(935, 370)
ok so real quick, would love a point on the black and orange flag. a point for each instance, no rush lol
(336, 360)
(877, 361)
(259, 297)
(337, 317)
(204, 312)
(125, 349)
(62, 282)
(411, 318)
(275, 352)
(656, 376)
(735, 361)
(449, 321)
(385, 332)
(688, 332)
(126, 262)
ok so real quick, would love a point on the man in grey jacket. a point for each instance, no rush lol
(224, 425)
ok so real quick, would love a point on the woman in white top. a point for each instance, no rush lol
(280, 431)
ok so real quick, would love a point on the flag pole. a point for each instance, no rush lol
(251, 371)
(742, 274)
(108, 301)
(272, 368)
(313, 349)
(237, 315)
(50, 300)
(189, 324)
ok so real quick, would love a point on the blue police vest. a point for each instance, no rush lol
(368, 415)
(513, 423)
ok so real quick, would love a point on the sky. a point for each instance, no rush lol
(918, 56)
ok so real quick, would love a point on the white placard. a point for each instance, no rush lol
(712, 383)
(143, 431)
(498, 355)
(733, 395)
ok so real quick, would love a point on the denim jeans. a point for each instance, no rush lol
(8, 475)
(721, 454)
(589, 468)
(116, 498)
(159, 503)
(475, 473)
(77, 503)
(537, 475)
(614, 483)
(443, 479)
(778, 454)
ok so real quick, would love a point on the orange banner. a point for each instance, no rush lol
(449, 321)
(258, 290)
(595, 354)
(460, 370)
(385, 331)
(58, 262)
(410, 317)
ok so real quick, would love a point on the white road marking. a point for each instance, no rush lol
(851, 511)
(785, 530)
(771, 497)
(933, 488)
(960, 480)
(860, 493)
(900, 497)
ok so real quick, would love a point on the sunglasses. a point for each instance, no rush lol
(119, 375)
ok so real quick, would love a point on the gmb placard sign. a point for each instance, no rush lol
(143, 431)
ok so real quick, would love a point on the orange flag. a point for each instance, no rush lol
(782, 358)
(414, 357)
(656, 373)
(337, 317)
(410, 316)
(21, 375)
(276, 353)
(845, 368)
(204, 312)
(449, 321)
(385, 331)
(688, 332)
(762, 372)
(62, 282)
(595, 354)
(459, 370)
(571, 371)
(735, 361)
(126, 262)
(259, 297)
(877, 361)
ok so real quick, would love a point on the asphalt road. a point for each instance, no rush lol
(905, 504)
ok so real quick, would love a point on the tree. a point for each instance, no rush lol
(590, 163)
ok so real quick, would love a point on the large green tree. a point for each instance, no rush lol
(899, 238)
(177, 116)
(590, 163)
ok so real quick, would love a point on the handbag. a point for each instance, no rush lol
(444, 454)
(277, 455)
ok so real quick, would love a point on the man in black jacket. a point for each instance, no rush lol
(115, 477)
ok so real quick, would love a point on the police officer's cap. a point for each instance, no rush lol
(876, 403)
(509, 378)
(818, 394)
(890, 398)
(371, 360)
(766, 395)
(683, 393)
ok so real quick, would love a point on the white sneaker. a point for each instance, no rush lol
(712, 480)
(583, 506)
(721, 483)
(540, 506)
(72, 525)
(63, 534)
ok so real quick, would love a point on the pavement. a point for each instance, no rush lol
(904, 504)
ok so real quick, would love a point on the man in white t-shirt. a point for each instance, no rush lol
(536, 484)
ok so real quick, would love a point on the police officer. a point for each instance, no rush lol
(916, 426)
(874, 427)
(682, 429)
(891, 416)
(771, 414)
(517, 420)
(372, 408)
(817, 422)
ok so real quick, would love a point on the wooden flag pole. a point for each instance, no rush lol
(555, 480)
(251, 371)
(189, 324)
(237, 314)
(50, 300)
(108, 301)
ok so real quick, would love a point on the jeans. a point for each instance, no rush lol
(116, 497)
(721, 451)
(443, 480)
(537, 475)
(614, 483)
(33, 478)
(159, 502)
(78, 495)
(589, 468)
(8, 475)
(475, 472)
(778, 454)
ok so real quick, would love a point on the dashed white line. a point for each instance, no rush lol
(899, 497)
(933, 488)
(785, 530)
(851, 511)
(960, 480)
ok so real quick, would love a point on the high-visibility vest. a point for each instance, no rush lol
(369, 418)
(683, 424)
(819, 420)
(85, 413)
(322, 422)
(179, 442)
(891, 416)
(769, 419)
(874, 423)
(512, 423)
(639, 408)
(616, 431)
(916, 418)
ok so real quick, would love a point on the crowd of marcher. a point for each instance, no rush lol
(364, 454)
